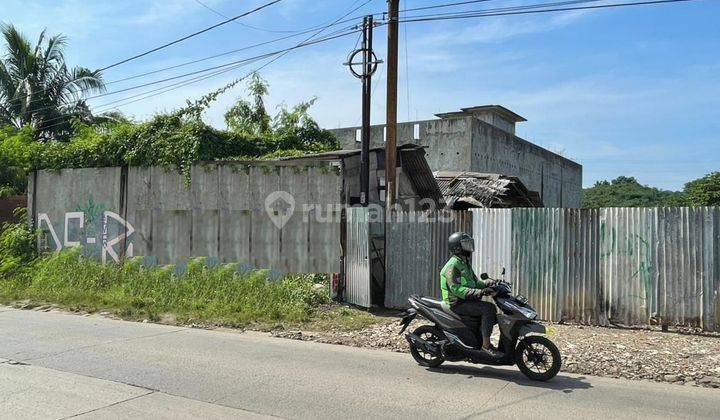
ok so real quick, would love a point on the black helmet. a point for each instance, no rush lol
(461, 243)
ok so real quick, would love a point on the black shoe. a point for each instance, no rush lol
(492, 352)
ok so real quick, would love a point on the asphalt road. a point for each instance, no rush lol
(56, 365)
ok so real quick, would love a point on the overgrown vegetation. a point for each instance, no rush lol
(175, 140)
(17, 248)
(222, 295)
(226, 295)
(45, 122)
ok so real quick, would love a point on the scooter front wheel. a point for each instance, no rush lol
(538, 358)
(423, 358)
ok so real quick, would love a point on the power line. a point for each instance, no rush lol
(248, 47)
(226, 68)
(487, 13)
(279, 31)
(507, 9)
(159, 91)
(303, 44)
(470, 14)
(299, 33)
(278, 55)
(438, 6)
(333, 35)
(209, 28)
(477, 13)
(217, 12)
(308, 41)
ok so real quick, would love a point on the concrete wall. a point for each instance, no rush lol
(558, 180)
(78, 207)
(224, 214)
(468, 144)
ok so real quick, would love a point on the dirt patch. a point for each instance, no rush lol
(682, 359)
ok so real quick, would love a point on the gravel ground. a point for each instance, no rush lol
(676, 357)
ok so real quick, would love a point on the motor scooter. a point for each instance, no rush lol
(523, 341)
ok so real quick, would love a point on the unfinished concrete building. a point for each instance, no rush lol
(482, 139)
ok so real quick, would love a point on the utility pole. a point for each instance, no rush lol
(368, 66)
(366, 95)
(391, 108)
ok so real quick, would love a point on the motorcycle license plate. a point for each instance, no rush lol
(549, 330)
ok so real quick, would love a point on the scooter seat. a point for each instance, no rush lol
(431, 302)
(438, 304)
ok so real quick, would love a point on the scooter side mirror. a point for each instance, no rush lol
(484, 276)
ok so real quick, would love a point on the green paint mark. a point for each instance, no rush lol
(604, 240)
(92, 211)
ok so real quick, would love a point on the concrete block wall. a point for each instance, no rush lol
(221, 214)
(557, 179)
(469, 144)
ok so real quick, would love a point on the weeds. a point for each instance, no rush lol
(221, 295)
(17, 247)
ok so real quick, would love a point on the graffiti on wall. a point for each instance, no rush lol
(635, 251)
(101, 232)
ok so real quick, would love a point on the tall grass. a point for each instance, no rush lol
(221, 295)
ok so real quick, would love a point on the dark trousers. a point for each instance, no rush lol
(471, 310)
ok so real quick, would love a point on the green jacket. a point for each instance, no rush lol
(458, 282)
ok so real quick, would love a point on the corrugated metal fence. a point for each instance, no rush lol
(630, 266)
(416, 251)
(357, 261)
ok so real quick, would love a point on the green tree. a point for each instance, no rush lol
(704, 191)
(628, 192)
(290, 131)
(38, 89)
(250, 117)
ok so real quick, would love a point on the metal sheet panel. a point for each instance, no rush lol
(417, 250)
(628, 266)
(357, 260)
(580, 284)
(628, 240)
(492, 231)
(538, 258)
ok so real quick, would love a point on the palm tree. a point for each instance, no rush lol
(38, 89)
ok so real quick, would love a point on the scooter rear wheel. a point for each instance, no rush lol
(538, 358)
(423, 358)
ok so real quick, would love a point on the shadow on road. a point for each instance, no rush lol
(562, 383)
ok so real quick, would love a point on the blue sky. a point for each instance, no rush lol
(625, 91)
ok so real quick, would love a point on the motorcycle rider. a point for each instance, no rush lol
(463, 291)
